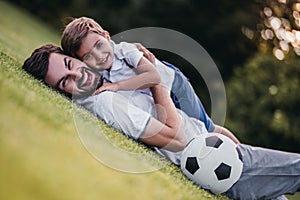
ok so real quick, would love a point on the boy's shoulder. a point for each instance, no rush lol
(123, 49)
(126, 50)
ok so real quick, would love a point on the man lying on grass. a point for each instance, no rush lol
(267, 174)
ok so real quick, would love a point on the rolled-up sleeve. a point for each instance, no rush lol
(129, 52)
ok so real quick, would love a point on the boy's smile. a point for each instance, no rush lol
(96, 51)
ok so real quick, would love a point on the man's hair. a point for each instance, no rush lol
(76, 31)
(37, 64)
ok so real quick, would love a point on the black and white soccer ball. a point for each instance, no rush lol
(212, 161)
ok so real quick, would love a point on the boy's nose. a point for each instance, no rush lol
(98, 54)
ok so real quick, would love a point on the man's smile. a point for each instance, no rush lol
(86, 79)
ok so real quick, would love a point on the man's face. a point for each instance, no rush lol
(71, 75)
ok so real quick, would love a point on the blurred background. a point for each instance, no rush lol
(254, 43)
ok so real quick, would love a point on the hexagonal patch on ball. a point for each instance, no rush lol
(191, 165)
(223, 171)
(213, 141)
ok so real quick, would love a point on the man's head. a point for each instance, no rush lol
(61, 72)
(76, 31)
(37, 63)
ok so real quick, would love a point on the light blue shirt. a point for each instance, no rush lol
(125, 63)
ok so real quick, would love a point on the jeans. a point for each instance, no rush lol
(185, 98)
(267, 174)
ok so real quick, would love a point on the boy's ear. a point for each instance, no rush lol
(106, 35)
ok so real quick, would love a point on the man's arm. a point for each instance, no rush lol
(166, 132)
(146, 53)
(226, 132)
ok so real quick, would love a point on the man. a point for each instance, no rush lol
(267, 174)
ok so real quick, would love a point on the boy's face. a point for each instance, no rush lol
(96, 51)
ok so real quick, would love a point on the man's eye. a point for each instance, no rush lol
(64, 81)
(69, 64)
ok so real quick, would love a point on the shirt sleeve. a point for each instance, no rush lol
(129, 52)
(116, 111)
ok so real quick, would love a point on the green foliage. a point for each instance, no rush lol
(263, 98)
(277, 30)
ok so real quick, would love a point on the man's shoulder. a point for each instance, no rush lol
(103, 96)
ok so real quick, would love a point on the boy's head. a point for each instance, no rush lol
(86, 40)
(76, 31)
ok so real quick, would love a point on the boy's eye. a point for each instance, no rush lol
(98, 46)
(87, 56)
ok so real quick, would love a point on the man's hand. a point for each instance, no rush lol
(107, 87)
(147, 54)
(226, 132)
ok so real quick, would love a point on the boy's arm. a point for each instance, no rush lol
(148, 76)
(166, 132)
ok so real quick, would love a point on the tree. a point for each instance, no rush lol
(278, 30)
(263, 98)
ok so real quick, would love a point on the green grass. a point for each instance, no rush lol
(41, 154)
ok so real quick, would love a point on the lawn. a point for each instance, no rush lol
(42, 155)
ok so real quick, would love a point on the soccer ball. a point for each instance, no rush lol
(212, 161)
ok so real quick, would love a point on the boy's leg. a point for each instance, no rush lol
(267, 174)
(186, 98)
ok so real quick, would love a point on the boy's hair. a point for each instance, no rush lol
(76, 31)
(37, 64)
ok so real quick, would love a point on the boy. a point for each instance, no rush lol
(124, 68)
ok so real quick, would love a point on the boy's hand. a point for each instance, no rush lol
(146, 53)
(107, 87)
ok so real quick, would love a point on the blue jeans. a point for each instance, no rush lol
(185, 98)
(267, 174)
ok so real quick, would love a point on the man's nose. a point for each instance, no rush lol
(75, 74)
